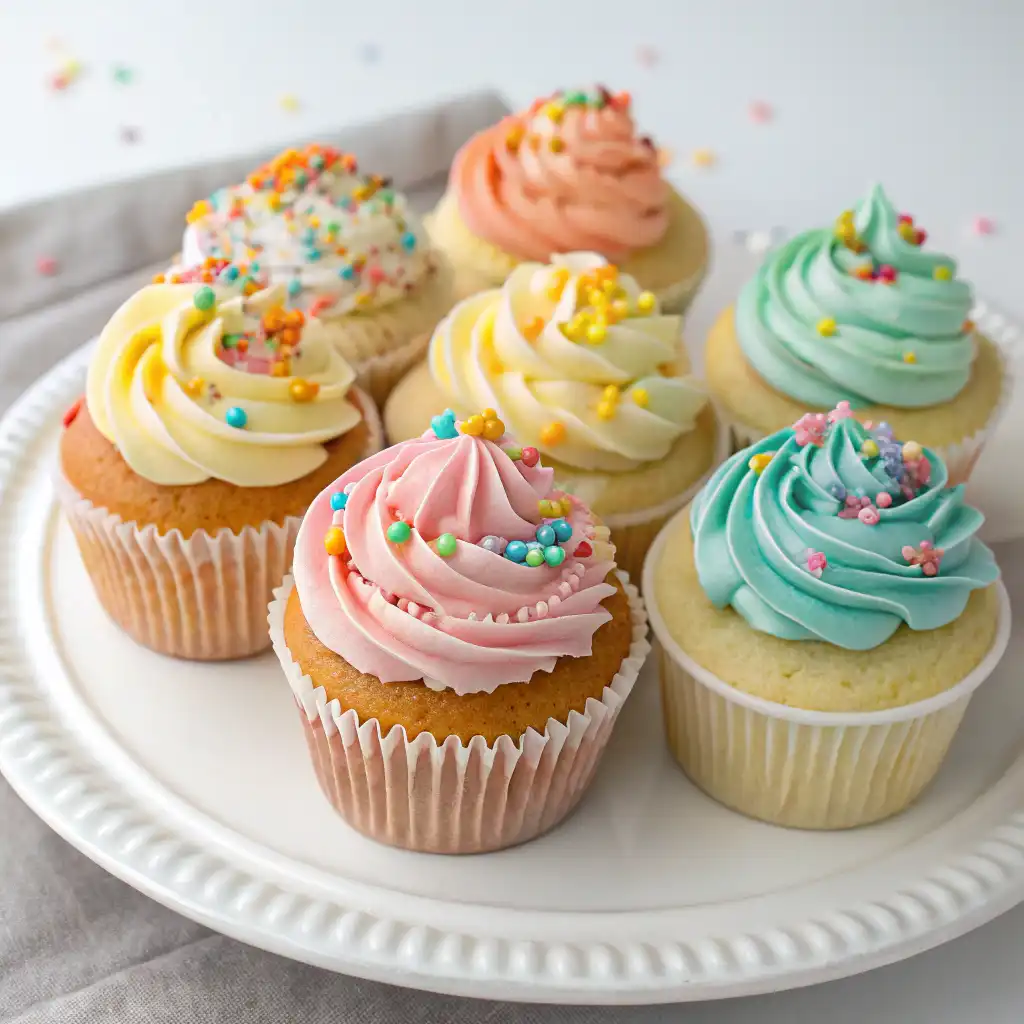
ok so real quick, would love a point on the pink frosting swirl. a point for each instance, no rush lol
(470, 621)
(569, 174)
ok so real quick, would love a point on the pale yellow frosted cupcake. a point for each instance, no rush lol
(346, 247)
(860, 313)
(586, 371)
(825, 613)
(570, 173)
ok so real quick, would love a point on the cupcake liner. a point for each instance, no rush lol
(202, 597)
(452, 797)
(633, 533)
(806, 769)
(960, 457)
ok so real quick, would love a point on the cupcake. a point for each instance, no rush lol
(346, 247)
(862, 313)
(586, 371)
(457, 642)
(570, 173)
(825, 613)
(209, 424)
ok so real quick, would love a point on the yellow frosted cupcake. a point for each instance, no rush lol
(346, 247)
(570, 173)
(860, 313)
(587, 372)
(825, 612)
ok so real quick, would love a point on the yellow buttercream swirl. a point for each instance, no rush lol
(159, 391)
(577, 360)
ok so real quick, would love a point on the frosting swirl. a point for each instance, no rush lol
(859, 313)
(574, 356)
(188, 388)
(414, 584)
(339, 240)
(831, 531)
(569, 173)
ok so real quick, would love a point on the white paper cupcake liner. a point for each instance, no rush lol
(453, 797)
(800, 768)
(961, 457)
(203, 597)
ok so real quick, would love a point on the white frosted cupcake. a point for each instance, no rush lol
(345, 246)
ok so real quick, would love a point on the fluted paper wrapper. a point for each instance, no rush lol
(812, 770)
(960, 458)
(203, 597)
(452, 797)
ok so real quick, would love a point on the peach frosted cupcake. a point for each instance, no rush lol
(860, 312)
(457, 642)
(208, 426)
(570, 173)
(588, 372)
(346, 247)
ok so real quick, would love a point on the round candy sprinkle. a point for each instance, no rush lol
(408, 241)
(546, 535)
(641, 397)
(554, 555)
(347, 272)
(646, 301)
(339, 499)
(552, 433)
(758, 463)
(334, 541)
(943, 273)
(535, 557)
(236, 417)
(204, 298)
(446, 545)
(827, 327)
(912, 451)
(474, 426)
(515, 551)
(399, 532)
(529, 456)
(562, 530)
(493, 543)
(513, 453)
(294, 287)
(869, 448)
(531, 544)
(303, 390)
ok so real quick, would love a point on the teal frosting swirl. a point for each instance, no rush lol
(758, 538)
(811, 279)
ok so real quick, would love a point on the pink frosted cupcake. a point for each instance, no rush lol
(457, 640)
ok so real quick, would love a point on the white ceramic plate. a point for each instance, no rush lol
(191, 783)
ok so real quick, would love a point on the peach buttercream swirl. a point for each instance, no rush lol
(439, 601)
(569, 173)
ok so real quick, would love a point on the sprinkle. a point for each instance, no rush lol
(552, 433)
(810, 429)
(883, 499)
(646, 302)
(583, 550)
(703, 157)
(289, 102)
(827, 327)
(123, 74)
(474, 426)
(46, 266)
(912, 451)
(194, 388)
(339, 499)
(760, 112)
(869, 448)
(72, 413)
(910, 357)
(513, 453)
(303, 390)
(864, 271)
(561, 529)
(530, 457)
(533, 328)
(535, 557)
(983, 226)
(446, 545)
(967, 326)
(408, 241)
(606, 410)
(516, 551)
(816, 562)
(869, 515)
(548, 508)
(398, 532)
(943, 273)
(842, 411)
(758, 463)
(641, 397)
(494, 428)
(665, 156)
(556, 144)
(494, 544)
(925, 555)
(334, 541)
(204, 298)
(596, 333)
(443, 425)
(553, 555)
(887, 274)
(236, 417)
(545, 535)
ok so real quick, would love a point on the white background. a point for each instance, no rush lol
(923, 96)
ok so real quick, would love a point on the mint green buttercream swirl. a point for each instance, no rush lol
(758, 539)
(901, 344)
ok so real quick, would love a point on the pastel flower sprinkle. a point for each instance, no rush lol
(810, 429)
(928, 557)
(841, 412)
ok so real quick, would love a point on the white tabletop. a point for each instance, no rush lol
(919, 98)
